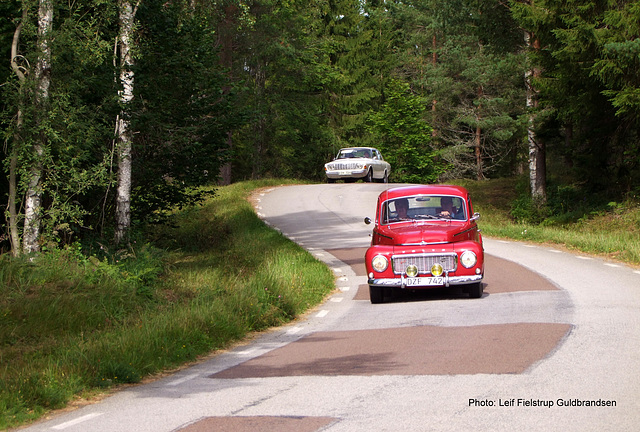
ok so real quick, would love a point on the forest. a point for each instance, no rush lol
(115, 112)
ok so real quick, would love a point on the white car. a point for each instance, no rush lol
(354, 163)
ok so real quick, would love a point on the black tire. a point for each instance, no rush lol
(476, 290)
(376, 294)
(369, 177)
(385, 179)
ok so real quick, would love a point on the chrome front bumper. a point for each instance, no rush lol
(448, 281)
(355, 173)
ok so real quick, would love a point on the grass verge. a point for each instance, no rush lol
(71, 326)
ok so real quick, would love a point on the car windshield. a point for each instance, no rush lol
(354, 153)
(423, 207)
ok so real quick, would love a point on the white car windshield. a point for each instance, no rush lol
(354, 153)
(423, 207)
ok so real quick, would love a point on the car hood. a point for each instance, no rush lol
(424, 233)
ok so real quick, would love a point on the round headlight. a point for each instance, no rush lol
(412, 270)
(379, 263)
(468, 259)
(437, 270)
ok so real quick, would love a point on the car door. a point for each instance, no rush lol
(378, 168)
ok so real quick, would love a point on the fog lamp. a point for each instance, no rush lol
(437, 270)
(412, 270)
(379, 263)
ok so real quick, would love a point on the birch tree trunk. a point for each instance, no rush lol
(537, 151)
(13, 157)
(123, 124)
(33, 197)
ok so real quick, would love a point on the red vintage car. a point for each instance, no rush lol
(424, 237)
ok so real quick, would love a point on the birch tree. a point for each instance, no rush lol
(124, 135)
(537, 151)
(33, 204)
(20, 68)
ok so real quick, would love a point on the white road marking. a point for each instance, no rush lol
(76, 421)
(337, 299)
(294, 330)
(182, 380)
(583, 257)
(248, 352)
(612, 265)
(322, 314)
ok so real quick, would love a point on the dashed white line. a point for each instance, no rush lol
(322, 314)
(182, 380)
(583, 257)
(294, 330)
(248, 352)
(337, 299)
(555, 251)
(76, 421)
(612, 265)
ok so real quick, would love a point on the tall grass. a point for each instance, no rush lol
(73, 325)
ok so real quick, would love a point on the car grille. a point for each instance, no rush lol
(346, 166)
(424, 262)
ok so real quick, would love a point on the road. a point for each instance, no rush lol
(553, 345)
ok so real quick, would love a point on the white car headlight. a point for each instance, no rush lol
(379, 263)
(468, 259)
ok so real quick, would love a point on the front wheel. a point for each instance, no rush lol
(376, 294)
(476, 290)
(369, 177)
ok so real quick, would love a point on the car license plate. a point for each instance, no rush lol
(424, 281)
(343, 172)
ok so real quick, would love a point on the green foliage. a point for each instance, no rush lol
(184, 109)
(587, 86)
(404, 137)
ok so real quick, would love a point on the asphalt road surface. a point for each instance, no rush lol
(553, 345)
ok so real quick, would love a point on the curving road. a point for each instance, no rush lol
(553, 345)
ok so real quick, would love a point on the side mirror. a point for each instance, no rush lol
(367, 220)
(475, 217)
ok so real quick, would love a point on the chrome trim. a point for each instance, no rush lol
(423, 243)
(424, 261)
(450, 280)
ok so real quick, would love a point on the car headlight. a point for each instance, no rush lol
(379, 263)
(468, 259)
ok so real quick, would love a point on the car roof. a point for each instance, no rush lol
(402, 191)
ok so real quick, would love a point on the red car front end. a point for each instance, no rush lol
(425, 237)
